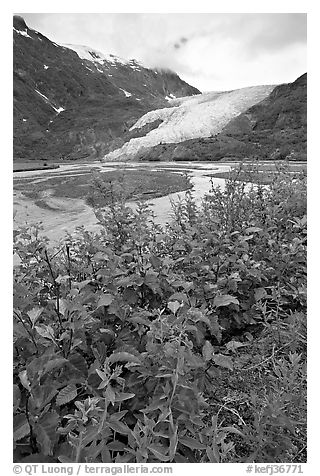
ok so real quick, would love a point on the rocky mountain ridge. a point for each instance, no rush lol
(72, 101)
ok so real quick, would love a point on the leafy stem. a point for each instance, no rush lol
(27, 329)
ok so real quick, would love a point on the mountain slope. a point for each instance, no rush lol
(276, 127)
(73, 101)
(202, 116)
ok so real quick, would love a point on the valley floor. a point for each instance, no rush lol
(58, 198)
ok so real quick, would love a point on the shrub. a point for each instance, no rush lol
(183, 344)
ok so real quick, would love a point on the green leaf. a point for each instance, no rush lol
(225, 300)
(207, 351)
(102, 375)
(260, 293)
(155, 261)
(105, 453)
(21, 426)
(19, 330)
(105, 300)
(213, 454)
(109, 392)
(179, 247)
(67, 394)
(45, 429)
(78, 363)
(140, 320)
(215, 327)
(231, 429)
(16, 397)
(124, 396)
(157, 454)
(84, 283)
(65, 459)
(223, 361)
(174, 306)
(119, 427)
(233, 345)
(118, 415)
(253, 229)
(181, 459)
(63, 306)
(123, 357)
(34, 314)
(62, 279)
(181, 297)
(53, 364)
(43, 394)
(76, 343)
(199, 316)
(45, 331)
(114, 446)
(192, 443)
(173, 442)
(24, 379)
(130, 296)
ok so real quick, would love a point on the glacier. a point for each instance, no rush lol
(201, 115)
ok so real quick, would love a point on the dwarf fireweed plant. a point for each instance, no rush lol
(178, 344)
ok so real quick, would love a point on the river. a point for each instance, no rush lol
(66, 214)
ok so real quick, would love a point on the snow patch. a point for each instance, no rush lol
(57, 109)
(100, 70)
(45, 66)
(24, 120)
(135, 65)
(90, 54)
(170, 97)
(42, 95)
(37, 33)
(23, 33)
(60, 109)
(126, 93)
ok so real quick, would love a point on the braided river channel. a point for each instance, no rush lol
(61, 214)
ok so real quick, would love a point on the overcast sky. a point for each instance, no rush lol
(212, 51)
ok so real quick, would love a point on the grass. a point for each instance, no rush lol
(267, 390)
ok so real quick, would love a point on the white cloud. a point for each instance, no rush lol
(211, 51)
